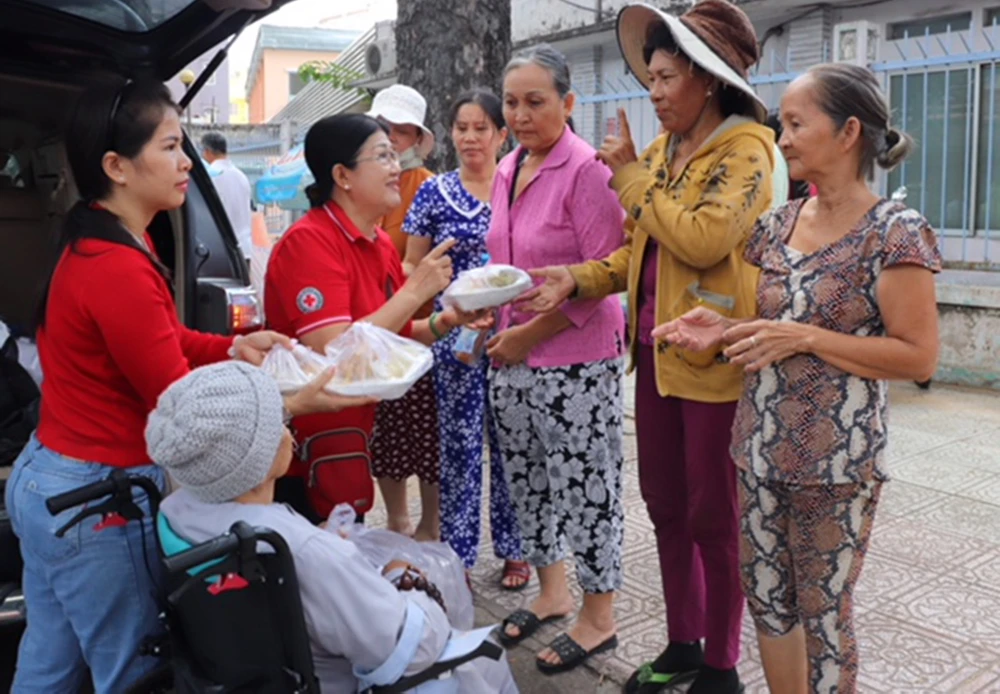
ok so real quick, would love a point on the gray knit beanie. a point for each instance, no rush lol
(217, 430)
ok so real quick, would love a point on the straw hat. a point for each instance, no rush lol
(715, 34)
(404, 105)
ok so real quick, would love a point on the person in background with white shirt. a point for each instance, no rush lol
(233, 188)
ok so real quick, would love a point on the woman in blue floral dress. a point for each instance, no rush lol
(455, 205)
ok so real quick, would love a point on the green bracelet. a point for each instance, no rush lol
(432, 324)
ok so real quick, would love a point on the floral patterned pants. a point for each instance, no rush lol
(561, 433)
(801, 552)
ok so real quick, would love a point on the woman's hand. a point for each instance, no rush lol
(760, 343)
(698, 330)
(315, 398)
(510, 347)
(557, 287)
(432, 275)
(453, 317)
(619, 151)
(252, 348)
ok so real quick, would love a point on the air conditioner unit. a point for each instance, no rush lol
(380, 55)
(855, 42)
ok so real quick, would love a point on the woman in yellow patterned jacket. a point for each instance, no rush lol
(692, 199)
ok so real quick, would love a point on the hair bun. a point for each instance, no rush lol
(896, 146)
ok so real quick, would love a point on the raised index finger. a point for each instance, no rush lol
(626, 132)
(442, 248)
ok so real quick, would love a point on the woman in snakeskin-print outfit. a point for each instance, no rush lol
(845, 303)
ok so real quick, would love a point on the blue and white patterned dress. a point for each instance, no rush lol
(443, 209)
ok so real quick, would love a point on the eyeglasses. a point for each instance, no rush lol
(386, 157)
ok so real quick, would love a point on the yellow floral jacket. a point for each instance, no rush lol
(700, 221)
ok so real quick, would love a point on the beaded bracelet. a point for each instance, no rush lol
(412, 579)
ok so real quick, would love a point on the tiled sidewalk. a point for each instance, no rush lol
(928, 604)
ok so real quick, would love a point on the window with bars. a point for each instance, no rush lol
(954, 116)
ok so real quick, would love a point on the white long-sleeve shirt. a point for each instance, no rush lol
(234, 190)
(353, 614)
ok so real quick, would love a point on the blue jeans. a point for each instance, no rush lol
(89, 595)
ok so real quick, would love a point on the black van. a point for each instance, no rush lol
(49, 51)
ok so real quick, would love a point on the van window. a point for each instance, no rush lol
(128, 15)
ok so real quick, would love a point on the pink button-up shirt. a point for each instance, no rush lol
(567, 214)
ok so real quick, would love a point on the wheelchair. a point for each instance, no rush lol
(232, 615)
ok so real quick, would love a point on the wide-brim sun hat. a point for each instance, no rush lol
(404, 105)
(634, 22)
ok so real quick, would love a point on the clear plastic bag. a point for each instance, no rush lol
(374, 362)
(294, 368)
(436, 560)
(281, 365)
(469, 346)
(487, 287)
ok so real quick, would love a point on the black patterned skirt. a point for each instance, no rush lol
(407, 438)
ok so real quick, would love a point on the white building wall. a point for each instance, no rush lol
(534, 18)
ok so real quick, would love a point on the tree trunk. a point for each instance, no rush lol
(444, 47)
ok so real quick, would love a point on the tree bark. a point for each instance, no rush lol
(444, 47)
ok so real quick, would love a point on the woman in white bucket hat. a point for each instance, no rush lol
(404, 110)
(406, 441)
(692, 200)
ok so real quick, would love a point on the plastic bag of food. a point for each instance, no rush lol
(294, 368)
(487, 287)
(281, 365)
(311, 363)
(373, 362)
(436, 560)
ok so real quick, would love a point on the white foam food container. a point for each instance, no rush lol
(487, 287)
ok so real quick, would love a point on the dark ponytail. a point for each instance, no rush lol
(120, 117)
(331, 141)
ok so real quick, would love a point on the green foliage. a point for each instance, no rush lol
(329, 72)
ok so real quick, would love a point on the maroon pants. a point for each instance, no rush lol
(688, 482)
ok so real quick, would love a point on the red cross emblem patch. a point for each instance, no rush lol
(310, 299)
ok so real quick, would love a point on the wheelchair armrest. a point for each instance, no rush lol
(487, 649)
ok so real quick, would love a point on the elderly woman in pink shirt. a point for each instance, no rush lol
(556, 381)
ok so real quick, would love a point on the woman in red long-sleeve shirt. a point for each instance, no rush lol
(110, 342)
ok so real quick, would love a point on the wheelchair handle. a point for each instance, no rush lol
(95, 490)
(225, 545)
(216, 548)
(77, 497)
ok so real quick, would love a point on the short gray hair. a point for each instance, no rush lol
(547, 57)
(844, 91)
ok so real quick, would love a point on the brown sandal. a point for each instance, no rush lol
(515, 569)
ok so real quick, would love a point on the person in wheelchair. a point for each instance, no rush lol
(219, 433)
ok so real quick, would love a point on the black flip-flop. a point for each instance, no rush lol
(527, 623)
(571, 654)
